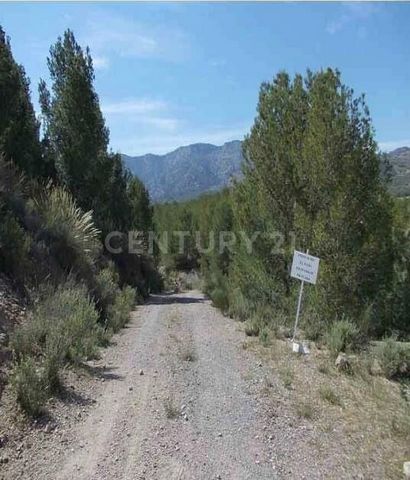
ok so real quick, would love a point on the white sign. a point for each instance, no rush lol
(304, 267)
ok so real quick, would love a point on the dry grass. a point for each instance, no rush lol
(171, 408)
(364, 417)
(305, 409)
(328, 394)
(287, 376)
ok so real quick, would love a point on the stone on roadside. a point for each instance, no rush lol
(141, 372)
(342, 362)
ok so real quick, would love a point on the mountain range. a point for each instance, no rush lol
(200, 168)
(187, 171)
(400, 163)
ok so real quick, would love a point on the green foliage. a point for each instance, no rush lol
(75, 330)
(252, 327)
(313, 178)
(314, 325)
(329, 395)
(264, 337)
(64, 327)
(305, 410)
(399, 296)
(106, 287)
(299, 164)
(19, 129)
(73, 236)
(342, 336)
(118, 313)
(219, 297)
(238, 305)
(77, 139)
(393, 357)
(287, 376)
(191, 281)
(28, 384)
(141, 210)
(73, 122)
(14, 246)
(48, 228)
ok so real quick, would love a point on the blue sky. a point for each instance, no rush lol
(177, 73)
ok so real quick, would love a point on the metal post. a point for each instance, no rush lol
(299, 304)
(298, 310)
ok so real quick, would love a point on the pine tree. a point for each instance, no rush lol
(75, 131)
(19, 129)
(141, 210)
(312, 172)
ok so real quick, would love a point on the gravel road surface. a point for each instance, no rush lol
(176, 397)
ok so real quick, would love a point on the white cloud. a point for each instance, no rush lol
(140, 114)
(119, 36)
(146, 125)
(162, 123)
(133, 105)
(353, 12)
(101, 63)
(160, 144)
(392, 145)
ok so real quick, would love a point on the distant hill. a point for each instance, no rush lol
(200, 168)
(187, 171)
(400, 162)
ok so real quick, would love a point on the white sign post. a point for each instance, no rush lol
(305, 268)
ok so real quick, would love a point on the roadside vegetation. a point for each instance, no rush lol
(61, 192)
(313, 178)
(358, 410)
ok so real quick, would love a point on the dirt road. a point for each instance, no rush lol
(189, 414)
(181, 394)
(177, 403)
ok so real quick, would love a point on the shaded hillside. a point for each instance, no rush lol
(187, 171)
(400, 163)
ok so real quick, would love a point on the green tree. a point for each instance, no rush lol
(312, 172)
(141, 209)
(75, 131)
(19, 128)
